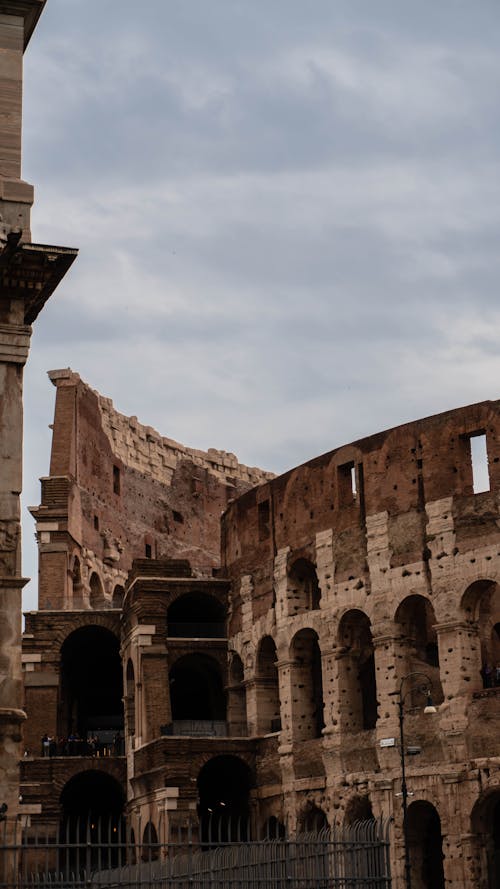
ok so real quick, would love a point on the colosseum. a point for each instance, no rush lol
(216, 645)
(267, 677)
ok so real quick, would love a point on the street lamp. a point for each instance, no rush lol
(423, 687)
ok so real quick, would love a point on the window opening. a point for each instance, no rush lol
(264, 517)
(148, 550)
(116, 479)
(479, 460)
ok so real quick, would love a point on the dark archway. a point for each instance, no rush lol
(236, 697)
(91, 686)
(304, 592)
(485, 824)
(358, 689)
(426, 846)
(273, 829)
(267, 687)
(415, 618)
(196, 616)
(359, 808)
(96, 597)
(224, 786)
(118, 594)
(312, 820)
(150, 847)
(197, 689)
(130, 698)
(92, 805)
(481, 604)
(307, 686)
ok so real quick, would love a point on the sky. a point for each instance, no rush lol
(287, 213)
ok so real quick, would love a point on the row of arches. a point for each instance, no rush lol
(97, 598)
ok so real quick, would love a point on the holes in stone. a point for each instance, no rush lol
(96, 522)
(116, 479)
(177, 517)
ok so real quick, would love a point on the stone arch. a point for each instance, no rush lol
(358, 808)
(267, 687)
(91, 826)
(485, 839)
(273, 828)
(418, 646)
(306, 686)
(358, 688)
(481, 607)
(311, 819)
(76, 582)
(197, 688)
(224, 783)
(236, 697)
(72, 622)
(303, 590)
(150, 849)
(118, 596)
(91, 687)
(425, 846)
(196, 614)
(96, 591)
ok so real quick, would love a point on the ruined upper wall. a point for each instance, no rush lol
(119, 491)
(396, 473)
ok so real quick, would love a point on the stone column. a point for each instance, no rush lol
(14, 345)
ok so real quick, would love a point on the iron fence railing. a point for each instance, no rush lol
(203, 728)
(109, 855)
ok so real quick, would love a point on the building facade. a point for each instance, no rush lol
(264, 684)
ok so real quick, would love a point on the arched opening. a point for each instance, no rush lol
(224, 786)
(91, 688)
(150, 850)
(273, 829)
(267, 687)
(197, 689)
(96, 597)
(92, 806)
(307, 686)
(303, 591)
(485, 824)
(359, 808)
(312, 820)
(236, 698)
(130, 699)
(481, 603)
(418, 644)
(425, 846)
(358, 688)
(118, 594)
(198, 616)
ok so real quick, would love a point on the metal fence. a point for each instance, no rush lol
(105, 856)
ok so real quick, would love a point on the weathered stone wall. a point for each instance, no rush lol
(349, 573)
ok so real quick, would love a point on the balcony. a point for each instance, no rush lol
(204, 728)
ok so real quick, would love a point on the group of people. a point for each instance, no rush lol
(491, 675)
(74, 745)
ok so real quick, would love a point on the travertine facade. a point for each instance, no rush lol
(268, 683)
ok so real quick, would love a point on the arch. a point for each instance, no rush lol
(224, 784)
(312, 819)
(196, 615)
(481, 606)
(418, 645)
(358, 687)
(91, 820)
(267, 687)
(303, 590)
(76, 582)
(307, 686)
(96, 595)
(359, 808)
(425, 846)
(118, 596)
(236, 697)
(130, 698)
(273, 829)
(197, 688)
(150, 850)
(91, 687)
(485, 829)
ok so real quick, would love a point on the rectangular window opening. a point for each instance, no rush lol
(347, 483)
(116, 479)
(479, 460)
(148, 550)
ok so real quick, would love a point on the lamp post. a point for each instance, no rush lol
(423, 687)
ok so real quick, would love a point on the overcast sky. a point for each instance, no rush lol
(287, 212)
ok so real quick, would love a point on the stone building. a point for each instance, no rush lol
(264, 682)
(29, 273)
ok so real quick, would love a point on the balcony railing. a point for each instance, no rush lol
(204, 728)
(198, 630)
